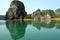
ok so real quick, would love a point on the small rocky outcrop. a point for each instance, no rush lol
(16, 11)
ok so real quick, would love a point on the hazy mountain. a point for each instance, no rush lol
(57, 11)
(2, 17)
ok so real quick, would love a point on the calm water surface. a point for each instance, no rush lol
(29, 30)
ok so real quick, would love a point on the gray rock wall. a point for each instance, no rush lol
(16, 10)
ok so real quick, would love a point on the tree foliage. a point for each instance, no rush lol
(28, 16)
(37, 12)
(50, 12)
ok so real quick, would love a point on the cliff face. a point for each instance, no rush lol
(16, 10)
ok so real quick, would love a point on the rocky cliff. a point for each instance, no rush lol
(16, 11)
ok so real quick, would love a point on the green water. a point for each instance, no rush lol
(29, 30)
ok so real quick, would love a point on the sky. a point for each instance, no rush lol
(31, 5)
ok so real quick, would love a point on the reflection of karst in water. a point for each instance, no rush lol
(50, 25)
(28, 22)
(16, 29)
(57, 25)
(37, 25)
(44, 24)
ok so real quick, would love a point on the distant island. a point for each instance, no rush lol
(2, 17)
